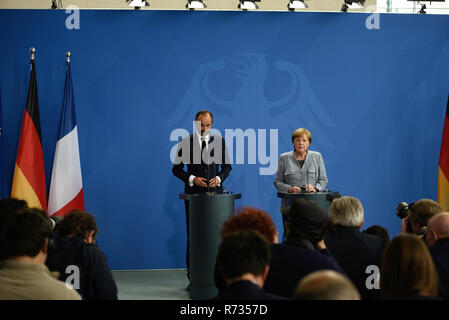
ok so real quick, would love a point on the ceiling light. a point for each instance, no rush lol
(248, 5)
(297, 4)
(195, 4)
(137, 4)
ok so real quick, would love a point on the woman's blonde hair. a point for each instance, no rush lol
(302, 131)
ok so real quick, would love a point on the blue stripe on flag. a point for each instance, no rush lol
(68, 117)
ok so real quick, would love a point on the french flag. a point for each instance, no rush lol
(66, 186)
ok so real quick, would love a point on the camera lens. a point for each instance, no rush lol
(401, 210)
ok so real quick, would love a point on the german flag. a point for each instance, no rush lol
(443, 171)
(29, 173)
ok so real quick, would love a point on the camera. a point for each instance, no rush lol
(402, 210)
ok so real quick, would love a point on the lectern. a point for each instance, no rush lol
(323, 199)
(207, 213)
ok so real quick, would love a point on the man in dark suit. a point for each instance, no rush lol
(207, 163)
(243, 259)
(437, 236)
(353, 250)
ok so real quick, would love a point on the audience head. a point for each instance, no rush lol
(9, 206)
(326, 285)
(305, 220)
(26, 234)
(380, 232)
(244, 254)
(420, 212)
(346, 211)
(78, 224)
(407, 269)
(437, 228)
(247, 218)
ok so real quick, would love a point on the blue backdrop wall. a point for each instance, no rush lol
(374, 101)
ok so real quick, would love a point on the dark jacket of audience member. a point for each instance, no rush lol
(74, 245)
(440, 256)
(353, 250)
(438, 239)
(299, 254)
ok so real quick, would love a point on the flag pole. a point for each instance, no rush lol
(32, 51)
(67, 54)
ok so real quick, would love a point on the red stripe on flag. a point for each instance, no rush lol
(30, 158)
(444, 152)
(76, 203)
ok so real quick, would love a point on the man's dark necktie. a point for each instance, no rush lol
(203, 153)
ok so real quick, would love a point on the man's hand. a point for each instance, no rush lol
(213, 182)
(320, 245)
(404, 225)
(200, 182)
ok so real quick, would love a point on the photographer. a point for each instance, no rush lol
(416, 215)
(75, 245)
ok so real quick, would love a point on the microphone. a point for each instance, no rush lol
(307, 175)
(55, 220)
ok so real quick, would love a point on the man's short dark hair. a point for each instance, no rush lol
(380, 232)
(306, 220)
(199, 113)
(24, 233)
(243, 251)
(10, 205)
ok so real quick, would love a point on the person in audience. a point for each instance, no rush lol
(303, 251)
(247, 218)
(23, 275)
(407, 270)
(353, 250)
(243, 259)
(9, 206)
(326, 285)
(381, 232)
(75, 246)
(418, 214)
(438, 239)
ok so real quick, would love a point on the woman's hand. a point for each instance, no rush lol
(310, 188)
(294, 190)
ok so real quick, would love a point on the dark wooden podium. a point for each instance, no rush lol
(323, 199)
(207, 215)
